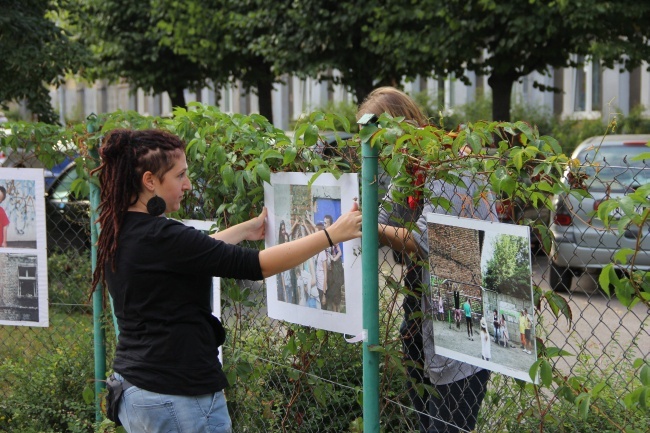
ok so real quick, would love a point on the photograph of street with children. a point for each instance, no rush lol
(23, 248)
(325, 291)
(481, 300)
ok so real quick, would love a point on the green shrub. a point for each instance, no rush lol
(69, 275)
(47, 390)
(635, 122)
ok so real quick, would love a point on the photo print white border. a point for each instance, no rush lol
(23, 280)
(210, 227)
(282, 207)
(452, 342)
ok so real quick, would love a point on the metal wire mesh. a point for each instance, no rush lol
(289, 378)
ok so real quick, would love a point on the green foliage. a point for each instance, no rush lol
(47, 390)
(636, 122)
(68, 275)
(127, 44)
(292, 381)
(507, 270)
(36, 52)
(290, 377)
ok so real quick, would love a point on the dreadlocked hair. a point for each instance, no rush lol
(125, 156)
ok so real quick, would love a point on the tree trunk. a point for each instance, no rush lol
(177, 97)
(264, 94)
(501, 85)
(362, 89)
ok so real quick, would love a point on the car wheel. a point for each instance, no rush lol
(561, 278)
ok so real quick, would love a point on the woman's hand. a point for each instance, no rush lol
(257, 226)
(251, 230)
(347, 226)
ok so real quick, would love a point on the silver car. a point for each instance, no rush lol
(582, 243)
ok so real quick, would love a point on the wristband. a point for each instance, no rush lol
(329, 239)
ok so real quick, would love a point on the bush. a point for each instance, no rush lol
(69, 275)
(47, 390)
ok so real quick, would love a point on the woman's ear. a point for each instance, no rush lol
(148, 181)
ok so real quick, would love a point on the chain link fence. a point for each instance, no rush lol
(591, 348)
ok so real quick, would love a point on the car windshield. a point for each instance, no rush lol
(614, 167)
(61, 191)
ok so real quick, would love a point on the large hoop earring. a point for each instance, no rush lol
(156, 206)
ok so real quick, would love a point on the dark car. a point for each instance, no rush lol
(67, 216)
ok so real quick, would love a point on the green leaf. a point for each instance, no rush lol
(263, 172)
(289, 155)
(552, 352)
(311, 135)
(583, 405)
(534, 370)
(88, 394)
(367, 132)
(603, 278)
(227, 174)
(558, 305)
(546, 373)
(644, 375)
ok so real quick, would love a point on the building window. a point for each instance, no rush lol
(588, 85)
(27, 281)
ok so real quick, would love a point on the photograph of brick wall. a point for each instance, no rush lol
(455, 252)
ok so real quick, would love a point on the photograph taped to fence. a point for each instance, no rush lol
(480, 304)
(23, 248)
(325, 291)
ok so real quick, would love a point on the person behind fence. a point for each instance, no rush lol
(4, 220)
(167, 375)
(459, 387)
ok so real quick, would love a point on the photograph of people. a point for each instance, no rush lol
(285, 287)
(159, 273)
(335, 276)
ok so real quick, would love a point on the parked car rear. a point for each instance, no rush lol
(582, 242)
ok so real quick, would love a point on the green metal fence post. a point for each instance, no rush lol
(99, 336)
(370, 267)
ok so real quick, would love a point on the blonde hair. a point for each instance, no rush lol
(394, 102)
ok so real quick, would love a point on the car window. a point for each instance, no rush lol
(613, 167)
(61, 191)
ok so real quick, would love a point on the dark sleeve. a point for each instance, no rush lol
(199, 254)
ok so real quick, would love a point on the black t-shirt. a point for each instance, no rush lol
(169, 339)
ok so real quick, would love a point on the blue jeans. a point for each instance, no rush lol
(149, 412)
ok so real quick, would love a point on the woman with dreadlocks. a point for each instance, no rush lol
(167, 375)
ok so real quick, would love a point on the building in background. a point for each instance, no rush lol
(588, 92)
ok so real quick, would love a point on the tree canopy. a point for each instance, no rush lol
(508, 270)
(36, 52)
(508, 40)
(127, 44)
